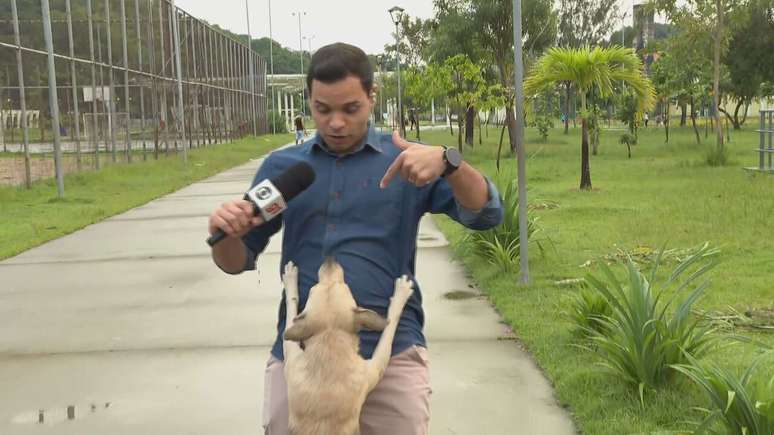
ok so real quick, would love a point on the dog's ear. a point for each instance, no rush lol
(300, 331)
(368, 319)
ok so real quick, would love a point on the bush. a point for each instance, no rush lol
(640, 341)
(277, 121)
(589, 311)
(740, 406)
(500, 245)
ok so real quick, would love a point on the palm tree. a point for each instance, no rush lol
(601, 69)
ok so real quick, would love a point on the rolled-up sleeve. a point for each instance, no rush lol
(441, 200)
(490, 215)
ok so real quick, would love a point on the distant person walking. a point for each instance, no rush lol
(300, 130)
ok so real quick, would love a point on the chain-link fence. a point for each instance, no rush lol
(94, 82)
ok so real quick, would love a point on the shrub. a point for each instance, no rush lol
(641, 340)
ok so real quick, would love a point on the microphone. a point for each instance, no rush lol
(270, 197)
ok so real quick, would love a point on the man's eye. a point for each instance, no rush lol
(323, 109)
(353, 109)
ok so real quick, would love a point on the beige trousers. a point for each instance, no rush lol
(400, 403)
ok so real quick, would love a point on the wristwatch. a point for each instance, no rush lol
(453, 160)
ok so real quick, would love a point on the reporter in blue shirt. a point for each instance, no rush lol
(363, 209)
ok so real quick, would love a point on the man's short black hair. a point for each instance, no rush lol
(335, 62)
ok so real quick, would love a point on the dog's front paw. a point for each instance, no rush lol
(290, 280)
(403, 289)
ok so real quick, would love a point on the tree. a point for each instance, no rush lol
(749, 59)
(599, 69)
(418, 90)
(715, 18)
(493, 18)
(583, 23)
(463, 84)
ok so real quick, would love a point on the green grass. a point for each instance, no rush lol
(32, 217)
(664, 194)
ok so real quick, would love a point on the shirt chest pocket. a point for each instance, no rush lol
(368, 203)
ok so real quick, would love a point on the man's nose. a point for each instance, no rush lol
(337, 121)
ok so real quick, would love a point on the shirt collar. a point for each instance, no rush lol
(371, 140)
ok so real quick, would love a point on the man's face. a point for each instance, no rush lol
(341, 110)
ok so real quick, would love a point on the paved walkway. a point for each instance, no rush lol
(126, 327)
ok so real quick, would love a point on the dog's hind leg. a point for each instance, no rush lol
(290, 282)
(381, 358)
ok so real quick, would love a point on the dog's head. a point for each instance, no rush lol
(331, 306)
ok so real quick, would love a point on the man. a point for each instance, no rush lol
(359, 212)
(300, 129)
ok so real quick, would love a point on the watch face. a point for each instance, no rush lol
(453, 157)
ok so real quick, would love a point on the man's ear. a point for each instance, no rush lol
(368, 319)
(301, 329)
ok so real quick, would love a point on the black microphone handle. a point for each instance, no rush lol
(215, 238)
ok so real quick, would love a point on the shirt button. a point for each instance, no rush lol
(338, 163)
(337, 195)
(331, 227)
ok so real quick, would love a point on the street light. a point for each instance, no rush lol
(309, 42)
(301, 52)
(271, 63)
(251, 72)
(380, 64)
(396, 13)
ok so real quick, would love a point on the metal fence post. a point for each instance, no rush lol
(22, 96)
(127, 107)
(113, 115)
(74, 80)
(141, 81)
(176, 51)
(93, 139)
(52, 97)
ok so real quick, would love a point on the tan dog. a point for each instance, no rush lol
(328, 380)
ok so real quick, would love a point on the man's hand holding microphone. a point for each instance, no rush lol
(265, 201)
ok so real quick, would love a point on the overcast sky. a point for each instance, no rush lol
(365, 23)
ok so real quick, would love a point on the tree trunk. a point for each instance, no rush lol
(716, 76)
(460, 127)
(500, 148)
(480, 142)
(682, 113)
(585, 182)
(666, 122)
(567, 109)
(629, 148)
(510, 120)
(448, 115)
(470, 116)
(416, 118)
(746, 108)
(693, 121)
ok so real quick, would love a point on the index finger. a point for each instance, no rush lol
(391, 171)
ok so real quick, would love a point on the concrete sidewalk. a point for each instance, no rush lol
(126, 327)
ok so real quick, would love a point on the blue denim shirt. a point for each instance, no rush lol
(370, 231)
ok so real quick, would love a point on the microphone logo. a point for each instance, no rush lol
(267, 199)
(263, 193)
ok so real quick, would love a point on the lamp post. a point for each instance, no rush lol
(252, 73)
(518, 68)
(396, 13)
(271, 68)
(380, 90)
(309, 43)
(301, 53)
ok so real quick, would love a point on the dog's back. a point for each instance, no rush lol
(328, 381)
(327, 386)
